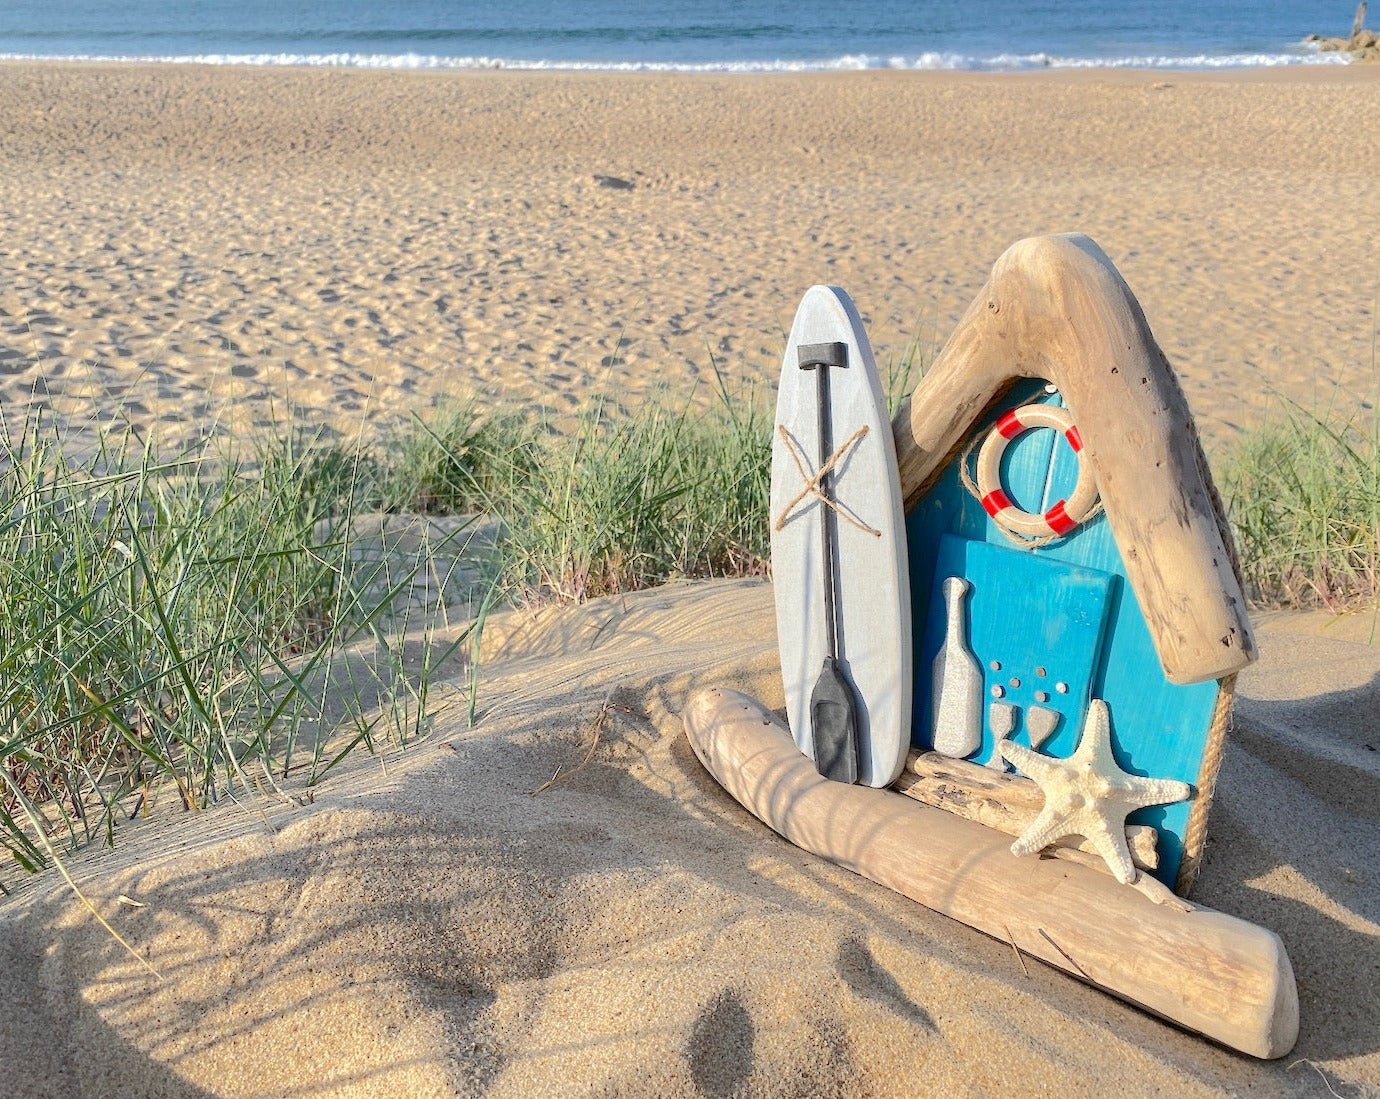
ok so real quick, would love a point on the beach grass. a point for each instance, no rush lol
(448, 460)
(168, 627)
(1303, 494)
(622, 503)
(171, 623)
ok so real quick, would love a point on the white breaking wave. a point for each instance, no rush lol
(1003, 62)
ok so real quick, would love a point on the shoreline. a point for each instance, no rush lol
(1323, 67)
(442, 64)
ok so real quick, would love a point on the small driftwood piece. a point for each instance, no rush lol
(1206, 971)
(1007, 803)
(1055, 308)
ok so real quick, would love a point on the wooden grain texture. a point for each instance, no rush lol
(1007, 803)
(1056, 308)
(1208, 972)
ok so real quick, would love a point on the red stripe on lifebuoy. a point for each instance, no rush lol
(1075, 440)
(996, 501)
(1009, 426)
(1058, 519)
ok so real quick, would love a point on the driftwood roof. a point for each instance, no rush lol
(1056, 308)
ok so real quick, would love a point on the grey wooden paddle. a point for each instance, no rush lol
(833, 703)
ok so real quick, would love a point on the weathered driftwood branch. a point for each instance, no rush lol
(1056, 308)
(1005, 802)
(1203, 970)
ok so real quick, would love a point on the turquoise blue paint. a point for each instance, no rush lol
(1062, 610)
(1158, 728)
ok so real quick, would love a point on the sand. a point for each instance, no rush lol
(198, 244)
(182, 246)
(633, 931)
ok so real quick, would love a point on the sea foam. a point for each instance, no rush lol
(952, 62)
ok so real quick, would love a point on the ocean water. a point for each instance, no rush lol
(709, 35)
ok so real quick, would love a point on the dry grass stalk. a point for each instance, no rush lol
(596, 732)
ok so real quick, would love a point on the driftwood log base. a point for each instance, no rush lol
(1007, 803)
(1205, 971)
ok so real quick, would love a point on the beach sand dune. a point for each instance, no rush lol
(632, 931)
(185, 244)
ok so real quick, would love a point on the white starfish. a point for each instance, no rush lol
(1089, 795)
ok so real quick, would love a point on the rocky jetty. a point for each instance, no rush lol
(1363, 45)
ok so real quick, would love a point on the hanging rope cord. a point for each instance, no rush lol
(1195, 832)
(813, 481)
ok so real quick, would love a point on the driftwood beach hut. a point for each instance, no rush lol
(1057, 325)
(1077, 623)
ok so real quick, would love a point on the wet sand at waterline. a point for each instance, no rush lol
(182, 245)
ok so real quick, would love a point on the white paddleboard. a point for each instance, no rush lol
(870, 572)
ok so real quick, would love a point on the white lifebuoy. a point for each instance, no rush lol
(1065, 515)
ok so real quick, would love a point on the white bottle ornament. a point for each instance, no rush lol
(957, 682)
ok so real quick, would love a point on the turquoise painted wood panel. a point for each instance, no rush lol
(1158, 728)
(1050, 661)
